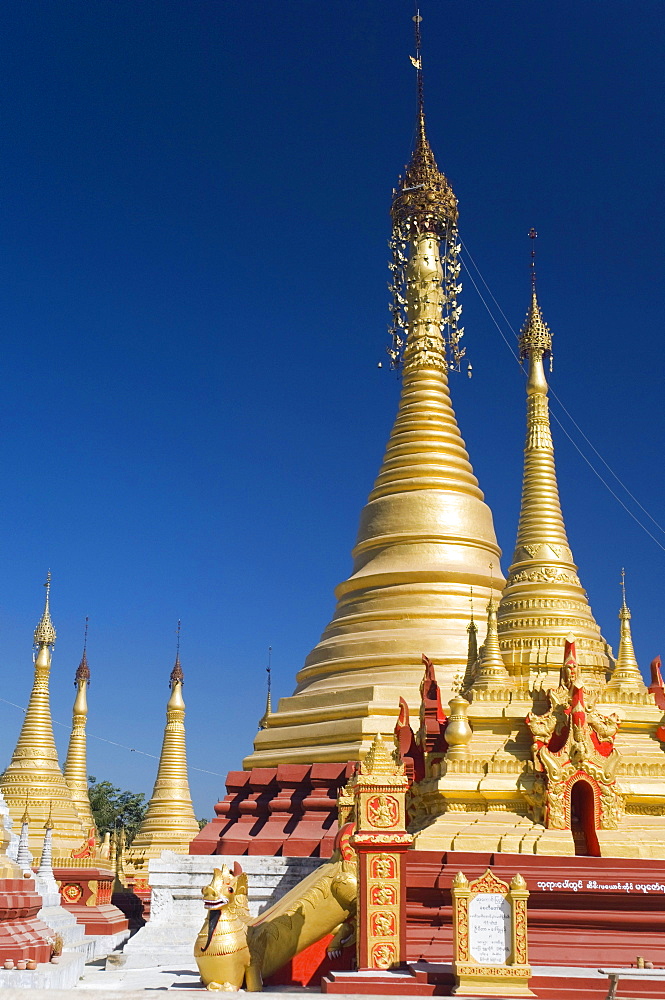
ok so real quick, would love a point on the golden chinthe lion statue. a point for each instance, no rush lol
(234, 949)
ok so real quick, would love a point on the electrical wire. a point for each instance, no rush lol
(102, 739)
(567, 412)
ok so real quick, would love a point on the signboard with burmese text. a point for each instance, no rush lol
(490, 936)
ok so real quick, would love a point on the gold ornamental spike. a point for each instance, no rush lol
(45, 632)
(34, 770)
(543, 595)
(426, 534)
(76, 764)
(491, 670)
(626, 675)
(169, 823)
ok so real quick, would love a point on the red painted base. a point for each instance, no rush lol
(433, 980)
(307, 968)
(582, 911)
(22, 933)
(104, 919)
(86, 892)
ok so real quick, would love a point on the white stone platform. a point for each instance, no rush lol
(176, 909)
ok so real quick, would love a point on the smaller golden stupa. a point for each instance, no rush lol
(170, 823)
(33, 778)
(76, 765)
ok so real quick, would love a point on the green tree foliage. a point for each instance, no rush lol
(202, 823)
(112, 808)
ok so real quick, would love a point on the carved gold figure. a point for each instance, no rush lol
(233, 949)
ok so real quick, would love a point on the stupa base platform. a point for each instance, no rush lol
(22, 933)
(47, 976)
(546, 983)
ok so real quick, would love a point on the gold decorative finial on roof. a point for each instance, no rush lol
(424, 200)
(83, 670)
(48, 825)
(491, 667)
(264, 718)
(25, 818)
(425, 285)
(379, 759)
(626, 673)
(45, 632)
(177, 674)
(535, 335)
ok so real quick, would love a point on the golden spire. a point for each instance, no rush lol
(472, 629)
(268, 712)
(169, 823)
(425, 535)
(34, 773)
(45, 632)
(491, 669)
(76, 766)
(543, 595)
(626, 674)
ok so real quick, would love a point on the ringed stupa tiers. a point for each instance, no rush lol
(169, 823)
(544, 600)
(426, 536)
(76, 766)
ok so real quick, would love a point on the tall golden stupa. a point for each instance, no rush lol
(33, 778)
(426, 536)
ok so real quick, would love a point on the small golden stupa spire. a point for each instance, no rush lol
(491, 669)
(34, 773)
(543, 592)
(425, 534)
(76, 764)
(268, 712)
(169, 823)
(626, 674)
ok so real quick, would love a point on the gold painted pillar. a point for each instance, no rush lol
(33, 778)
(380, 841)
(76, 764)
(543, 599)
(426, 535)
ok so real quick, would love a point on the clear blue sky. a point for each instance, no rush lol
(193, 303)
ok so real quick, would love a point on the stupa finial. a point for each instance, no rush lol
(535, 341)
(45, 632)
(268, 712)
(177, 672)
(83, 670)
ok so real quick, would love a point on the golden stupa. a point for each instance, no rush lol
(76, 763)
(549, 746)
(426, 536)
(169, 823)
(556, 740)
(543, 600)
(33, 779)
